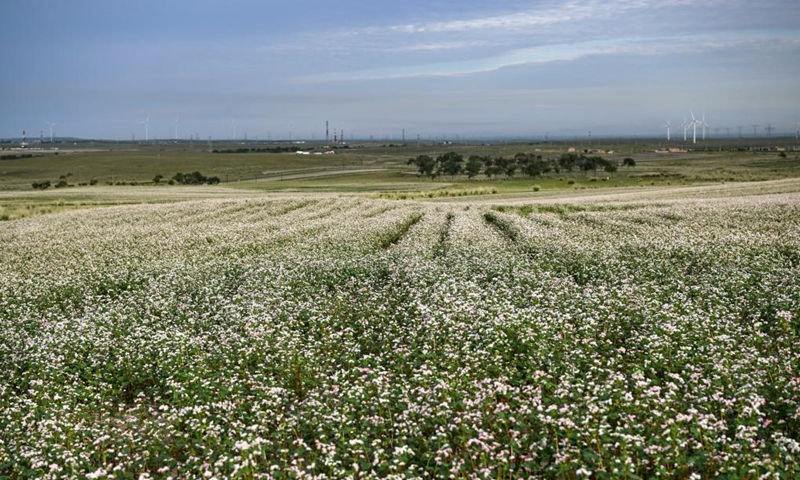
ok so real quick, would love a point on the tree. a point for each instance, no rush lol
(490, 167)
(426, 165)
(473, 166)
(533, 165)
(507, 165)
(568, 161)
(451, 163)
(629, 162)
(157, 178)
(593, 163)
(194, 178)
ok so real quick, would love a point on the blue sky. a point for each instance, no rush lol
(434, 68)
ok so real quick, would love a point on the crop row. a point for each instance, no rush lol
(334, 337)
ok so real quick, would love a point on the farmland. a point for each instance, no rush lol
(217, 332)
(344, 317)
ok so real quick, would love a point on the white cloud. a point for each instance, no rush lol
(440, 46)
(566, 52)
(552, 14)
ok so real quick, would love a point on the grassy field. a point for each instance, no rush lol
(363, 168)
(356, 321)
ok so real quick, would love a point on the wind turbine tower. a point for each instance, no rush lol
(146, 122)
(694, 127)
(51, 125)
(668, 130)
(797, 130)
(327, 134)
(704, 126)
(175, 124)
(685, 126)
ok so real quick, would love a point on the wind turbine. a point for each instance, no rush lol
(146, 122)
(668, 129)
(694, 127)
(704, 125)
(175, 123)
(233, 122)
(797, 130)
(51, 125)
(685, 127)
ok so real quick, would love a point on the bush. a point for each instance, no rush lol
(536, 188)
(194, 178)
(61, 184)
(93, 181)
(157, 179)
(41, 185)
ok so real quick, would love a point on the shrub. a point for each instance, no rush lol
(193, 178)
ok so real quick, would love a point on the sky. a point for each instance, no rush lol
(438, 69)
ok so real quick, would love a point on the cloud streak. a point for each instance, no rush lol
(553, 14)
(562, 53)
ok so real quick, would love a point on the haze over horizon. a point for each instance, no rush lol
(434, 68)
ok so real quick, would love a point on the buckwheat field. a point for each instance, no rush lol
(332, 336)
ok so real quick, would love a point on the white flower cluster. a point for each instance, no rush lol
(326, 337)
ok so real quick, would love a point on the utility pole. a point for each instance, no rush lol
(769, 130)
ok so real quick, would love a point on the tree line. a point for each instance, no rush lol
(530, 164)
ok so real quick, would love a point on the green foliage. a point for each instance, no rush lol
(450, 163)
(426, 165)
(193, 178)
(473, 166)
(394, 235)
(43, 185)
